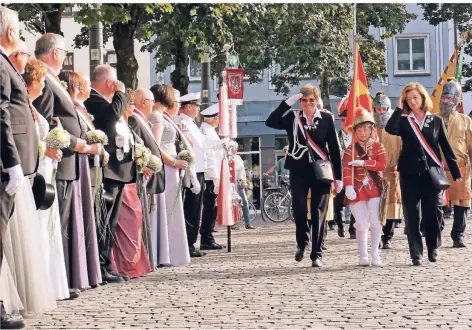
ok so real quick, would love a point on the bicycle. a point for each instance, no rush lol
(252, 211)
(277, 204)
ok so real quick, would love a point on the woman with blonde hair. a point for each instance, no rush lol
(420, 166)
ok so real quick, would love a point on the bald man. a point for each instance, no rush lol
(20, 57)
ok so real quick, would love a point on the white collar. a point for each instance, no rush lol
(316, 115)
(420, 124)
(186, 117)
(79, 102)
(100, 94)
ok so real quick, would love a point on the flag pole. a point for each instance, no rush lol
(354, 88)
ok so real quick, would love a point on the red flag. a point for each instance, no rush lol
(359, 95)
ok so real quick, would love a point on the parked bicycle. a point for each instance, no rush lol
(277, 203)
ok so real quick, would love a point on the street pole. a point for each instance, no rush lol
(206, 81)
(96, 46)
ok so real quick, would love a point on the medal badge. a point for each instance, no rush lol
(120, 155)
(120, 141)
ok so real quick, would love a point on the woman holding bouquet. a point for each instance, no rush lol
(129, 256)
(27, 241)
(168, 135)
(83, 203)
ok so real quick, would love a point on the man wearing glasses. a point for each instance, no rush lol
(20, 57)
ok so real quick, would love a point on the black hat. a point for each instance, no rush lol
(44, 193)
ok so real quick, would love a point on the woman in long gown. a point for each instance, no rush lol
(83, 194)
(129, 255)
(25, 243)
(166, 135)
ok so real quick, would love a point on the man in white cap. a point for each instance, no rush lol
(214, 156)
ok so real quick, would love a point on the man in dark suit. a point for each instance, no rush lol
(19, 141)
(107, 103)
(56, 102)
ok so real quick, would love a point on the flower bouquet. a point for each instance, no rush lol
(155, 164)
(189, 157)
(142, 155)
(93, 137)
(41, 149)
(57, 138)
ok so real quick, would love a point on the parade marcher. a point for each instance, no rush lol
(339, 206)
(107, 103)
(393, 146)
(423, 137)
(364, 185)
(459, 133)
(312, 137)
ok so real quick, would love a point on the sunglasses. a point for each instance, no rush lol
(308, 100)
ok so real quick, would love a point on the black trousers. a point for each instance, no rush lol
(106, 237)
(459, 224)
(338, 208)
(300, 183)
(193, 210)
(209, 213)
(64, 198)
(416, 189)
(8, 206)
(388, 230)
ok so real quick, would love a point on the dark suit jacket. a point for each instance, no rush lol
(106, 116)
(156, 184)
(54, 103)
(324, 136)
(18, 140)
(410, 161)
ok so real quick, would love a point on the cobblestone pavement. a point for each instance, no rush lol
(259, 285)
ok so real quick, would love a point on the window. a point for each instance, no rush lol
(411, 55)
(68, 64)
(194, 70)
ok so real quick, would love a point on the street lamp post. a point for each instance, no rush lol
(206, 80)
(96, 45)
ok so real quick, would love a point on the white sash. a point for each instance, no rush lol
(423, 142)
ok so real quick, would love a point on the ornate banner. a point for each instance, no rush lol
(235, 83)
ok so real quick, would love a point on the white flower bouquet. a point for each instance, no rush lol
(57, 138)
(155, 164)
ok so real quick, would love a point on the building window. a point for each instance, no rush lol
(194, 70)
(68, 64)
(411, 55)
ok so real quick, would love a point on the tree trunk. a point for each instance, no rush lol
(179, 77)
(52, 22)
(324, 88)
(126, 63)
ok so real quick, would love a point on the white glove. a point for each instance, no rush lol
(293, 99)
(225, 142)
(357, 162)
(195, 187)
(16, 179)
(216, 184)
(339, 186)
(351, 193)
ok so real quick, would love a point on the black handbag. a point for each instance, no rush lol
(322, 168)
(436, 173)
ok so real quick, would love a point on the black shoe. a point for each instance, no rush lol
(109, 278)
(396, 225)
(124, 277)
(317, 263)
(386, 246)
(417, 262)
(352, 235)
(341, 232)
(11, 322)
(432, 255)
(73, 294)
(212, 246)
(299, 254)
(250, 227)
(458, 243)
(234, 227)
(330, 226)
(197, 254)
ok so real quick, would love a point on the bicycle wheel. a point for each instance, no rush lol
(276, 207)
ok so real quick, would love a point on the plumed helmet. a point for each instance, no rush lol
(453, 90)
(342, 109)
(362, 116)
(382, 101)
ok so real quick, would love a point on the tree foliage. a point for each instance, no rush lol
(40, 17)
(461, 13)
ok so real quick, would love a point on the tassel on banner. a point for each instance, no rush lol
(224, 201)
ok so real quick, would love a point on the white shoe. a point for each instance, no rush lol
(376, 261)
(364, 262)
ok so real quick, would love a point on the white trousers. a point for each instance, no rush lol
(366, 213)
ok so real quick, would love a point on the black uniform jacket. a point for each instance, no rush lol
(324, 135)
(411, 156)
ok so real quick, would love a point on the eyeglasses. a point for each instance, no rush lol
(152, 100)
(63, 50)
(308, 100)
(28, 55)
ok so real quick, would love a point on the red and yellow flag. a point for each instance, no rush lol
(359, 95)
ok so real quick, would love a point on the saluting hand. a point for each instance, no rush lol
(293, 99)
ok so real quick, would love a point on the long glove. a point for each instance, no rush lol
(196, 188)
(339, 186)
(16, 179)
(293, 99)
(351, 193)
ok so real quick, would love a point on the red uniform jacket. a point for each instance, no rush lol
(363, 183)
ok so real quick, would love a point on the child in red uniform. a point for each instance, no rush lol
(362, 192)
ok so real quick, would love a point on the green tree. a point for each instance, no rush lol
(461, 13)
(40, 17)
(125, 23)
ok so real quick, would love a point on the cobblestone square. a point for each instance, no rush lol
(259, 285)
